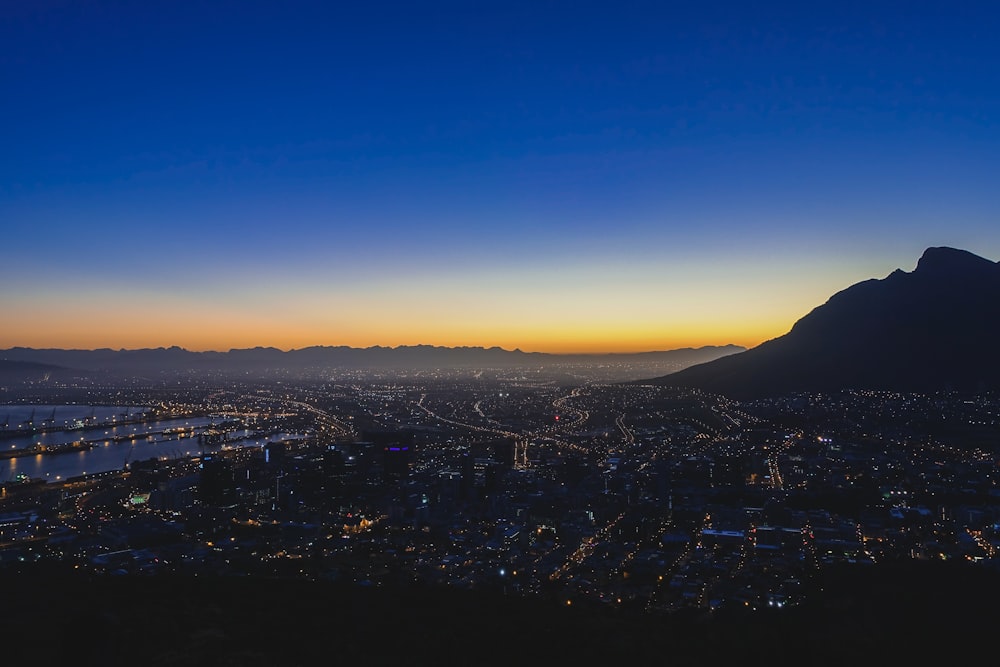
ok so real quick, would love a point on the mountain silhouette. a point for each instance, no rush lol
(935, 328)
(27, 370)
(412, 357)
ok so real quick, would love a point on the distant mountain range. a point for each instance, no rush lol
(26, 370)
(937, 327)
(146, 361)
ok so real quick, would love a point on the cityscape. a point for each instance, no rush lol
(650, 497)
(489, 333)
(631, 499)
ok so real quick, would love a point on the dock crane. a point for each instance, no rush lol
(31, 420)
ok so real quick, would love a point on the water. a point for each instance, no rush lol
(107, 454)
(65, 416)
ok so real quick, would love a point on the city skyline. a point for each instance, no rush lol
(643, 178)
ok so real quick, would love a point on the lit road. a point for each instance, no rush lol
(497, 431)
(587, 546)
(629, 436)
(322, 417)
(578, 416)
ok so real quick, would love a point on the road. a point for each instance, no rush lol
(498, 431)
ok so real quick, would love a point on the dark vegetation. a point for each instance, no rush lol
(854, 615)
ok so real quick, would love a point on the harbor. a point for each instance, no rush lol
(55, 454)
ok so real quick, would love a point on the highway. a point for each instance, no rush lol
(499, 430)
(626, 432)
(579, 416)
(324, 418)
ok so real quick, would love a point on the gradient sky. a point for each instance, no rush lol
(568, 176)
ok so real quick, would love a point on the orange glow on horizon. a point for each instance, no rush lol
(562, 309)
(198, 326)
(200, 336)
(571, 320)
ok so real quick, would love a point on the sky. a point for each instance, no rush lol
(561, 177)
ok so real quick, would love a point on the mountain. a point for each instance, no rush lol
(413, 357)
(937, 327)
(21, 371)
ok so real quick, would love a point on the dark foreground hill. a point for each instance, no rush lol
(935, 328)
(862, 615)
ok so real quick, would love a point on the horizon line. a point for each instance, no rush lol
(514, 350)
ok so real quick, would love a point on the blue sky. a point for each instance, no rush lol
(551, 176)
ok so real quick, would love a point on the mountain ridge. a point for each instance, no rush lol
(932, 328)
(402, 357)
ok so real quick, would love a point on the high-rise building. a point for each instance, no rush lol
(274, 453)
(395, 462)
(216, 483)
